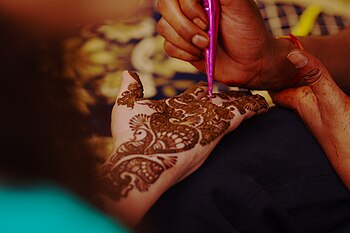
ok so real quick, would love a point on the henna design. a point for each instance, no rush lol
(134, 92)
(177, 124)
(231, 94)
(141, 171)
(253, 103)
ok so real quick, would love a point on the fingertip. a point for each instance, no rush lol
(316, 76)
(128, 78)
(170, 35)
(200, 23)
(181, 15)
(175, 52)
(200, 41)
(298, 58)
(125, 78)
(194, 11)
(309, 67)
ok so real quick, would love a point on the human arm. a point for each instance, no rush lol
(334, 52)
(159, 143)
(245, 48)
(324, 108)
(53, 16)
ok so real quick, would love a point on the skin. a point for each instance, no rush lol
(203, 123)
(260, 62)
(245, 47)
(144, 162)
(324, 108)
(131, 206)
(54, 16)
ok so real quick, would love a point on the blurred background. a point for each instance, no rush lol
(96, 56)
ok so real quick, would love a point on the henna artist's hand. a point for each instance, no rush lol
(324, 108)
(160, 142)
(245, 47)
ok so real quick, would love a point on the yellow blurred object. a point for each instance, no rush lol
(333, 7)
(307, 20)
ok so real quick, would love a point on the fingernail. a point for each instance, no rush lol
(200, 23)
(298, 59)
(200, 41)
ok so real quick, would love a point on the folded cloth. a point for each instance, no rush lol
(270, 175)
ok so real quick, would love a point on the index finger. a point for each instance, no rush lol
(172, 13)
(194, 11)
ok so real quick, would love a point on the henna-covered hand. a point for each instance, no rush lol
(159, 142)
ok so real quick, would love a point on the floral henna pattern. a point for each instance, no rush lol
(134, 92)
(177, 124)
(253, 103)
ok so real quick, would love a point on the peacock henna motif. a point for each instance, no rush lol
(176, 125)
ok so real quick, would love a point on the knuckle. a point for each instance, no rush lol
(175, 52)
(160, 27)
(187, 6)
(185, 32)
(192, 58)
(169, 49)
(172, 52)
(314, 74)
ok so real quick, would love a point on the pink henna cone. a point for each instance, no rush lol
(211, 7)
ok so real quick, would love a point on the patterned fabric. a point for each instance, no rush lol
(96, 58)
(280, 18)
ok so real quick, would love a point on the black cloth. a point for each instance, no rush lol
(269, 175)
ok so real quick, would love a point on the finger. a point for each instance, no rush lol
(178, 53)
(166, 30)
(171, 11)
(294, 98)
(327, 92)
(285, 98)
(250, 105)
(199, 65)
(131, 89)
(199, 90)
(194, 11)
(229, 96)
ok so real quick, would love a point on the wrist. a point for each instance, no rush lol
(278, 70)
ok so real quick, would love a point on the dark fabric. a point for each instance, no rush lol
(269, 175)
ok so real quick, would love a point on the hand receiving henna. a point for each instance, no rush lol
(159, 142)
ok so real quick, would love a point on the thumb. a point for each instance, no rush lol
(327, 92)
(131, 89)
